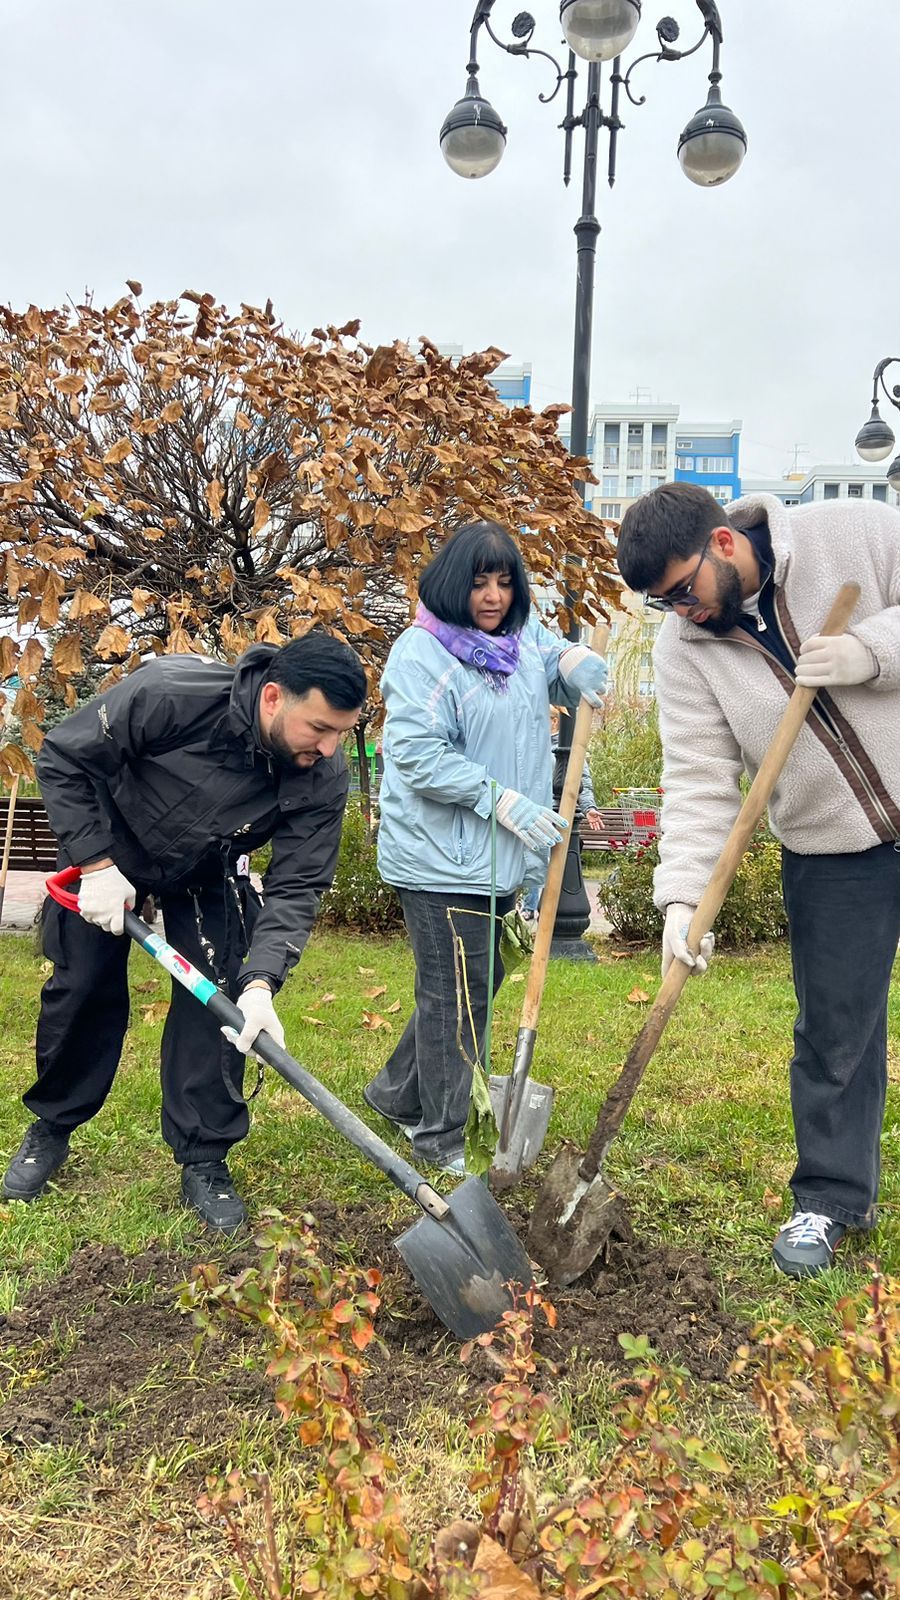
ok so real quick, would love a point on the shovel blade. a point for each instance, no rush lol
(527, 1132)
(572, 1220)
(466, 1263)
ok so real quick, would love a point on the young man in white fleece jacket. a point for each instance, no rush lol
(749, 592)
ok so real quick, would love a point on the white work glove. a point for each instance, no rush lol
(831, 662)
(255, 1004)
(103, 896)
(537, 826)
(582, 669)
(674, 944)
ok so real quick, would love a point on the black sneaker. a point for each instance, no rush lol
(805, 1245)
(41, 1153)
(206, 1186)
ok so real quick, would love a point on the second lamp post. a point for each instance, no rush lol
(710, 150)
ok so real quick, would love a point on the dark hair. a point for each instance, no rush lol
(317, 661)
(446, 584)
(670, 523)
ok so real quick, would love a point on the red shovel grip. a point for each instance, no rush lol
(56, 887)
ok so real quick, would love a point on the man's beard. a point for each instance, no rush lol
(729, 597)
(280, 750)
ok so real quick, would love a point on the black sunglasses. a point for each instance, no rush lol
(682, 594)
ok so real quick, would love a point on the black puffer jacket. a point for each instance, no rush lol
(165, 771)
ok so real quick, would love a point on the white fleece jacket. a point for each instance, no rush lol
(720, 700)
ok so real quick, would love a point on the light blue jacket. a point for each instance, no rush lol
(447, 734)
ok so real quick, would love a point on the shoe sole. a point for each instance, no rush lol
(214, 1227)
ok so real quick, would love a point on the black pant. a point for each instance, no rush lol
(427, 1080)
(844, 916)
(84, 1015)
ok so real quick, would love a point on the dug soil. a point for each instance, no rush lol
(107, 1359)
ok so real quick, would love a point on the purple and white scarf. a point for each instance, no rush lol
(494, 655)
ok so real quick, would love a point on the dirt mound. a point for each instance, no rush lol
(111, 1363)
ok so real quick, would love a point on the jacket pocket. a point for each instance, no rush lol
(462, 844)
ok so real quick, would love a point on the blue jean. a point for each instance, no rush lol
(844, 917)
(425, 1083)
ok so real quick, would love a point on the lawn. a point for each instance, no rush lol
(112, 1419)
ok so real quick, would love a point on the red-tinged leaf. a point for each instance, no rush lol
(344, 1311)
(362, 1335)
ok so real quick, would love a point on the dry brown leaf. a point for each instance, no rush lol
(638, 997)
(67, 660)
(215, 494)
(372, 1019)
(155, 1012)
(772, 1201)
(505, 1581)
(117, 453)
(316, 1021)
(326, 999)
(395, 1007)
(373, 994)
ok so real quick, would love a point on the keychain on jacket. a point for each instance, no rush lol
(209, 951)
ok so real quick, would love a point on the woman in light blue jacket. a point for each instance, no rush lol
(467, 691)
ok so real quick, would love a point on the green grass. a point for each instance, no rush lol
(707, 1142)
(703, 1160)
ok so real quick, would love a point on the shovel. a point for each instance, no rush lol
(463, 1253)
(522, 1106)
(574, 1213)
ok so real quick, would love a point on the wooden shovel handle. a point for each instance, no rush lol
(7, 842)
(622, 1093)
(581, 733)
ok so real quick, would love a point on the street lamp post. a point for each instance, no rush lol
(875, 439)
(710, 150)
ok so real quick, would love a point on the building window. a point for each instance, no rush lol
(660, 433)
(611, 508)
(610, 455)
(656, 479)
(684, 463)
(635, 458)
(636, 433)
(685, 444)
(632, 487)
(830, 491)
(610, 483)
(879, 491)
(611, 433)
(658, 457)
(854, 491)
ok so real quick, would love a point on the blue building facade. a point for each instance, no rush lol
(513, 384)
(708, 454)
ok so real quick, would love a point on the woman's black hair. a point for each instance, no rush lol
(446, 584)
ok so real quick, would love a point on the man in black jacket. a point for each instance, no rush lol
(163, 786)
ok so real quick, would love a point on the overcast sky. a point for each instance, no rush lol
(292, 150)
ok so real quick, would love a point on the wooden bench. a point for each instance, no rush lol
(34, 847)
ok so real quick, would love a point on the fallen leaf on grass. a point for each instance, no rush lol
(505, 1581)
(156, 1012)
(326, 999)
(371, 1019)
(366, 972)
(373, 994)
(516, 977)
(638, 997)
(316, 1022)
(394, 1007)
(146, 988)
(771, 1200)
